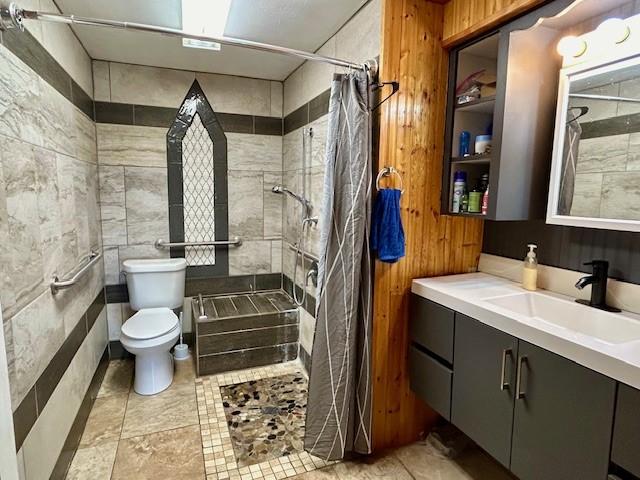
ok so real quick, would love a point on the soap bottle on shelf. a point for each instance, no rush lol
(530, 270)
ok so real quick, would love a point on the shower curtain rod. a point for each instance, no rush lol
(13, 16)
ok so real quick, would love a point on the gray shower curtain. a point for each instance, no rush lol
(339, 404)
(569, 163)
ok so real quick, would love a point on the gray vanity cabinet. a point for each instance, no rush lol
(483, 385)
(625, 451)
(563, 418)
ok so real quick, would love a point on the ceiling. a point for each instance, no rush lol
(300, 24)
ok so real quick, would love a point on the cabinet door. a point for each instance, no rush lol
(626, 431)
(484, 385)
(563, 418)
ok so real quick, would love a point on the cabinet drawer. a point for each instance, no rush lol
(431, 326)
(431, 381)
(626, 430)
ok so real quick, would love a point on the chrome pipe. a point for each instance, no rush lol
(590, 96)
(57, 284)
(13, 16)
(235, 242)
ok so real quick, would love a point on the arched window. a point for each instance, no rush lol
(197, 163)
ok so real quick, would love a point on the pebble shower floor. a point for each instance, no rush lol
(236, 453)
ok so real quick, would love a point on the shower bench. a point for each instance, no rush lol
(244, 330)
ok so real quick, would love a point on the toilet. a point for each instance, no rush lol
(156, 286)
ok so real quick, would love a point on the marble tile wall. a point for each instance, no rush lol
(133, 170)
(49, 213)
(61, 43)
(608, 177)
(41, 448)
(358, 40)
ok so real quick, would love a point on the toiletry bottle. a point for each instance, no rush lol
(485, 201)
(475, 200)
(465, 143)
(459, 188)
(530, 270)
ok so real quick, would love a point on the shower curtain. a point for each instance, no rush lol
(569, 163)
(339, 403)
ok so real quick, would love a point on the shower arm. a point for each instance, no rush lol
(12, 16)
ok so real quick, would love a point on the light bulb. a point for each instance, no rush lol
(612, 30)
(571, 46)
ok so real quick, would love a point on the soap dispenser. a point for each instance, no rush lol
(530, 270)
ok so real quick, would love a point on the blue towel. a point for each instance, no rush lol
(387, 234)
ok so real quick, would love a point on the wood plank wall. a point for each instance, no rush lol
(465, 18)
(412, 140)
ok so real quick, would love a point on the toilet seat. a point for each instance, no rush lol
(150, 323)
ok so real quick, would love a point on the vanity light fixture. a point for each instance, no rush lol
(612, 29)
(571, 46)
(204, 17)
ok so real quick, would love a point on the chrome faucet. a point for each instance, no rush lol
(598, 281)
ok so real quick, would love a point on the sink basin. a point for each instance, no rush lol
(605, 326)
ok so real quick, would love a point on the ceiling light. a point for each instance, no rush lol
(613, 29)
(571, 46)
(204, 17)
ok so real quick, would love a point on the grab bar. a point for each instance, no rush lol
(235, 242)
(306, 255)
(57, 284)
(203, 315)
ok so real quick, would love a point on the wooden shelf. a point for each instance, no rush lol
(475, 215)
(484, 158)
(482, 105)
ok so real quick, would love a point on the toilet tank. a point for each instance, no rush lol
(155, 282)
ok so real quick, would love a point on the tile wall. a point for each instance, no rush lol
(49, 222)
(132, 159)
(305, 107)
(608, 169)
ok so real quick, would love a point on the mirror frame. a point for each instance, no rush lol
(567, 75)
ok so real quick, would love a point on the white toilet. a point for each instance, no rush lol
(155, 287)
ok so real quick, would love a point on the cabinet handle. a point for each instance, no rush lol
(521, 361)
(504, 383)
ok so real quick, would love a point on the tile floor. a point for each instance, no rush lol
(187, 432)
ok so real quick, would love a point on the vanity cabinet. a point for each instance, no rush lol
(562, 419)
(537, 413)
(625, 450)
(483, 385)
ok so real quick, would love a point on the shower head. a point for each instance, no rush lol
(283, 190)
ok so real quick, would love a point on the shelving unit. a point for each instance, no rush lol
(481, 105)
(518, 113)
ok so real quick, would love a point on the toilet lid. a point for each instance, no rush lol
(150, 323)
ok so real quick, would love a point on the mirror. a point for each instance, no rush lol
(595, 180)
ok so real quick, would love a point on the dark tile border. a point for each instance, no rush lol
(27, 48)
(117, 351)
(307, 113)
(75, 434)
(305, 358)
(149, 116)
(210, 286)
(611, 126)
(310, 301)
(33, 404)
(117, 293)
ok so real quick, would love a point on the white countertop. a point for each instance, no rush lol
(467, 294)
